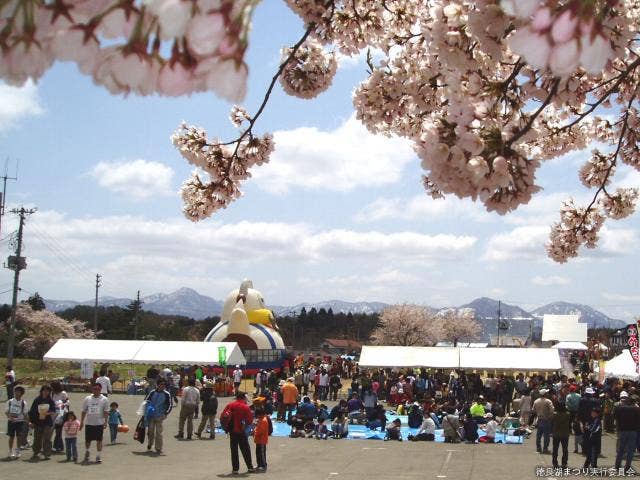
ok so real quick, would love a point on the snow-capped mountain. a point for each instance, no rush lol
(487, 308)
(337, 306)
(587, 314)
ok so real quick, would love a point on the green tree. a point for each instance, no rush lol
(36, 302)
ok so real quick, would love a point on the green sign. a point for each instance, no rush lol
(222, 356)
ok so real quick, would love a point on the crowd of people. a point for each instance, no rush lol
(459, 406)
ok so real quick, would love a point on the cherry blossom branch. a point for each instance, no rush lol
(609, 170)
(532, 118)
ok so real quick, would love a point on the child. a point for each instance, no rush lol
(115, 419)
(592, 439)
(16, 412)
(393, 431)
(322, 432)
(339, 427)
(261, 437)
(490, 429)
(577, 434)
(70, 427)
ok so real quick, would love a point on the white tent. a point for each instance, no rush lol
(143, 351)
(621, 366)
(393, 356)
(570, 346)
(188, 353)
(563, 328)
(520, 359)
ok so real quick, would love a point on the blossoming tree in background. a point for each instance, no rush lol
(485, 89)
(405, 325)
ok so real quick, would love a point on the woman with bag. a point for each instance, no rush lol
(61, 400)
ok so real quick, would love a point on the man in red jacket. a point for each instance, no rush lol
(241, 418)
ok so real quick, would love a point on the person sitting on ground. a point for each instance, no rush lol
(377, 419)
(297, 426)
(450, 425)
(309, 428)
(427, 430)
(322, 431)
(340, 425)
(490, 428)
(415, 416)
(470, 428)
(477, 410)
(393, 430)
(340, 407)
(355, 407)
(306, 409)
(323, 413)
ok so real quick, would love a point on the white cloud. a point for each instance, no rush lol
(137, 178)
(549, 280)
(340, 160)
(618, 297)
(422, 207)
(528, 242)
(17, 103)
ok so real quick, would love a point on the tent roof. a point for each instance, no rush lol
(143, 351)
(570, 346)
(536, 359)
(621, 366)
(394, 356)
(462, 344)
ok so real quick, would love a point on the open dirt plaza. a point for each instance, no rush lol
(290, 458)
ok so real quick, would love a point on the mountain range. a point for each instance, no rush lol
(189, 303)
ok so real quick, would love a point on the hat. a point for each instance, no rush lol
(290, 379)
(624, 394)
(544, 391)
(488, 415)
(208, 384)
(572, 388)
(589, 391)
(237, 366)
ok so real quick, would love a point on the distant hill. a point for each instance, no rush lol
(487, 308)
(338, 306)
(587, 314)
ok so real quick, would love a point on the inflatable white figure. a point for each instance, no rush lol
(247, 321)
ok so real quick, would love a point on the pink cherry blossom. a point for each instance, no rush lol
(564, 58)
(595, 53)
(174, 80)
(204, 34)
(564, 27)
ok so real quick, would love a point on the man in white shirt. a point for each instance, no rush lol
(105, 384)
(10, 380)
(427, 430)
(95, 412)
(323, 383)
(490, 428)
(237, 378)
(190, 401)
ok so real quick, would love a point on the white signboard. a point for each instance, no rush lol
(86, 369)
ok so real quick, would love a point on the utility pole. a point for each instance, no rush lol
(95, 307)
(16, 263)
(499, 322)
(3, 199)
(136, 308)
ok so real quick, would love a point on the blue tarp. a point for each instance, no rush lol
(282, 429)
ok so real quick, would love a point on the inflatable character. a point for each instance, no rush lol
(247, 321)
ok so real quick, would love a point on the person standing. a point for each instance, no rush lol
(592, 439)
(10, 381)
(561, 429)
(190, 401)
(323, 383)
(61, 399)
(237, 378)
(289, 396)
(105, 383)
(543, 408)
(71, 427)
(627, 417)
(241, 418)
(94, 417)
(261, 438)
(41, 416)
(158, 407)
(16, 412)
(209, 410)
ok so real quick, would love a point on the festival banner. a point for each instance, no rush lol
(632, 341)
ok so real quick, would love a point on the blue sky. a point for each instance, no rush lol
(337, 213)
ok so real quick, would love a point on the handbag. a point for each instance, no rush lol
(140, 432)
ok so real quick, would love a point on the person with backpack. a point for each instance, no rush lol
(159, 405)
(209, 410)
(16, 413)
(236, 419)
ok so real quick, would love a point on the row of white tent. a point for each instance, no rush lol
(466, 358)
(144, 351)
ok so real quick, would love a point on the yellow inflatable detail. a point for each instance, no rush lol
(261, 316)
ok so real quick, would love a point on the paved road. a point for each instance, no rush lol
(292, 458)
